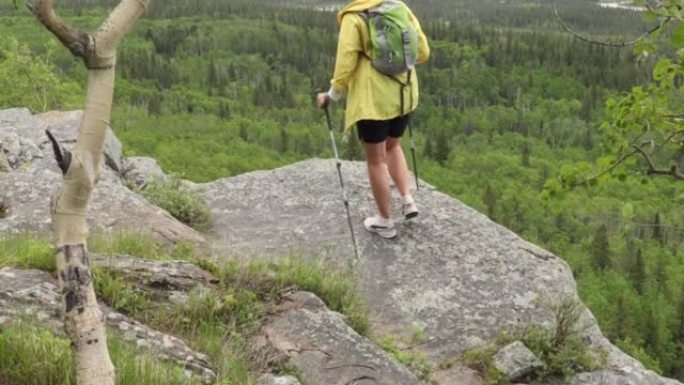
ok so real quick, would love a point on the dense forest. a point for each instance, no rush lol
(508, 101)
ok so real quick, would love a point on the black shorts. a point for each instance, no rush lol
(376, 131)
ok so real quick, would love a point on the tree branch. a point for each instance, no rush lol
(98, 51)
(653, 170)
(672, 171)
(623, 44)
(117, 23)
(612, 167)
(78, 42)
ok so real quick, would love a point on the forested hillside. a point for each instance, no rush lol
(215, 88)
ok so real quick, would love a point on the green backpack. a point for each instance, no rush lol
(394, 40)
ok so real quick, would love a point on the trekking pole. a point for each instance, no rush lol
(408, 123)
(339, 173)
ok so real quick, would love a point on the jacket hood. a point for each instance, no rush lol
(357, 6)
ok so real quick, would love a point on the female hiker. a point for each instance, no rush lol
(379, 103)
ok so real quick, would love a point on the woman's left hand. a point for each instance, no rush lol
(322, 100)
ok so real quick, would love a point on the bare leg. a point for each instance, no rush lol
(397, 166)
(376, 159)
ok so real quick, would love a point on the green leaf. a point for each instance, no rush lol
(678, 36)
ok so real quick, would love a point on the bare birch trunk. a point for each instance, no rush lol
(83, 319)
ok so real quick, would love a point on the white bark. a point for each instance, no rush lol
(82, 316)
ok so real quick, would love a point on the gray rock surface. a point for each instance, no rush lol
(325, 350)
(26, 147)
(140, 171)
(161, 276)
(12, 115)
(4, 164)
(516, 360)
(457, 374)
(35, 293)
(33, 178)
(270, 379)
(453, 272)
(113, 207)
(64, 126)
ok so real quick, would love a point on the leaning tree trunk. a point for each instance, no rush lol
(83, 319)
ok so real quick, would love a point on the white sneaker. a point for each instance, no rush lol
(381, 226)
(409, 210)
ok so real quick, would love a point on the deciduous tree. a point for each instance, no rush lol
(83, 319)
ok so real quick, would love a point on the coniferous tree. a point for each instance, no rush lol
(244, 134)
(442, 148)
(600, 249)
(661, 276)
(489, 199)
(352, 147)
(621, 314)
(525, 154)
(224, 110)
(284, 144)
(637, 272)
(657, 230)
(428, 152)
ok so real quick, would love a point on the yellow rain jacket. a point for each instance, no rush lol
(371, 95)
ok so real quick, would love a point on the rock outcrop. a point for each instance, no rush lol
(33, 177)
(35, 293)
(140, 171)
(453, 273)
(516, 360)
(325, 349)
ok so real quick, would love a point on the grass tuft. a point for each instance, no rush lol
(335, 287)
(128, 243)
(216, 321)
(27, 251)
(417, 362)
(182, 202)
(30, 355)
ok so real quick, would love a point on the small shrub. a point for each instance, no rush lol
(184, 203)
(561, 350)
